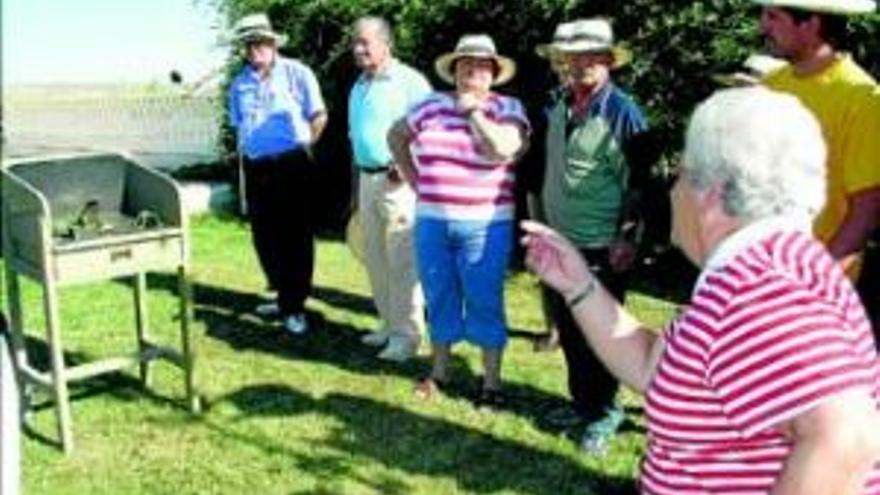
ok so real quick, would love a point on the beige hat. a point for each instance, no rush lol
(561, 35)
(824, 6)
(756, 67)
(593, 35)
(255, 27)
(475, 46)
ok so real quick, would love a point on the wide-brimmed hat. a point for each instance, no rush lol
(824, 6)
(593, 35)
(256, 27)
(755, 68)
(562, 34)
(475, 46)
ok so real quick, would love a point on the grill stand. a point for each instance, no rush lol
(27, 225)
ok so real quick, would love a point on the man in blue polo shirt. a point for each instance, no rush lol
(278, 113)
(589, 195)
(382, 94)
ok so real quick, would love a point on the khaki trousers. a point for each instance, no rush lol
(387, 214)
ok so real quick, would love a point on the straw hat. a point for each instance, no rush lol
(475, 46)
(824, 6)
(756, 67)
(256, 27)
(593, 35)
(561, 35)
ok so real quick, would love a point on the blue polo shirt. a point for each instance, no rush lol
(374, 104)
(272, 115)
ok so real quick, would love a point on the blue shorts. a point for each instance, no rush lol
(462, 266)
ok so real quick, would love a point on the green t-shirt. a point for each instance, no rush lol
(587, 170)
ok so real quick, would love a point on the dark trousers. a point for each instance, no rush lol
(280, 207)
(591, 386)
(869, 284)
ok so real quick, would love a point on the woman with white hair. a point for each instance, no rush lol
(768, 381)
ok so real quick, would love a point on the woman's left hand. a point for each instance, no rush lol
(468, 103)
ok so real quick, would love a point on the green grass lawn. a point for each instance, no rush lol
(311, 415)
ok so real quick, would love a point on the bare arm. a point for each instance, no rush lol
(399, 138)
(505, 141)
(835, 446)
(317, 125)
(860, 221)
(627, 348)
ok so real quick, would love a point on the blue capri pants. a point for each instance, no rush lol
(462, 265)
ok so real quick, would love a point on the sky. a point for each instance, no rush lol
(107, 41)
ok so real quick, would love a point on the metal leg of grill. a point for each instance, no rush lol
(185, 289)
(59, 373)
(16, 336)
(141, 320)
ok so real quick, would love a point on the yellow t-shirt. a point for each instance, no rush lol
(846, 102)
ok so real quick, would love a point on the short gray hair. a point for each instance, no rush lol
(763, 147)
(383, 29)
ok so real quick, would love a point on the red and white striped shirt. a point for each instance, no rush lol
(458, 179)
(774, 329)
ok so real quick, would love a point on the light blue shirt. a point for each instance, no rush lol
(272, 115)
(374, 104)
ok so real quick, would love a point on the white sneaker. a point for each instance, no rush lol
(398, 350)
(376, 339)
(296, 324)
(267, 309)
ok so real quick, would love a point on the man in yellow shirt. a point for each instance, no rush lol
(846, 101)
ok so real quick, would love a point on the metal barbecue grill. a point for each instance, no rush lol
(85, 218)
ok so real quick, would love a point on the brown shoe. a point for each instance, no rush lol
(428, 389)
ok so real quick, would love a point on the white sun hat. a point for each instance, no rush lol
(755, 68)
(562, 34)
(824, 6)
(475, 46)
(256, 27)
(593, 35)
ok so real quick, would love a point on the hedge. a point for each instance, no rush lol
(678, 45)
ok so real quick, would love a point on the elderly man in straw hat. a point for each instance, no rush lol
(383, 93)
(533, 177)
(846, 101)
(458, 149)
(589, 194)
(278, 113)
(768, 381)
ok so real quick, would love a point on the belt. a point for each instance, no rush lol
(278, 157)
(373, 171)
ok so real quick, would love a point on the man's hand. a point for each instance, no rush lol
(621, 255)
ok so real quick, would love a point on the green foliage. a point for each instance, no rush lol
(678, 46)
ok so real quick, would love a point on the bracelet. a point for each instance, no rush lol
(582, 294)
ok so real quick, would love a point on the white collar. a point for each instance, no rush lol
(748, 235)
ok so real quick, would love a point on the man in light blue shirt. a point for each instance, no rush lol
(278, 113)
(383, 93)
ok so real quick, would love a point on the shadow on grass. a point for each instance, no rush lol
(228, 317)
(120, 384)
(394, 437)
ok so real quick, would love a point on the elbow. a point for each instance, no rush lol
(857, 445)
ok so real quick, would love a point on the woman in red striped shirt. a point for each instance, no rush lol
(458, 151)
(768, 382)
